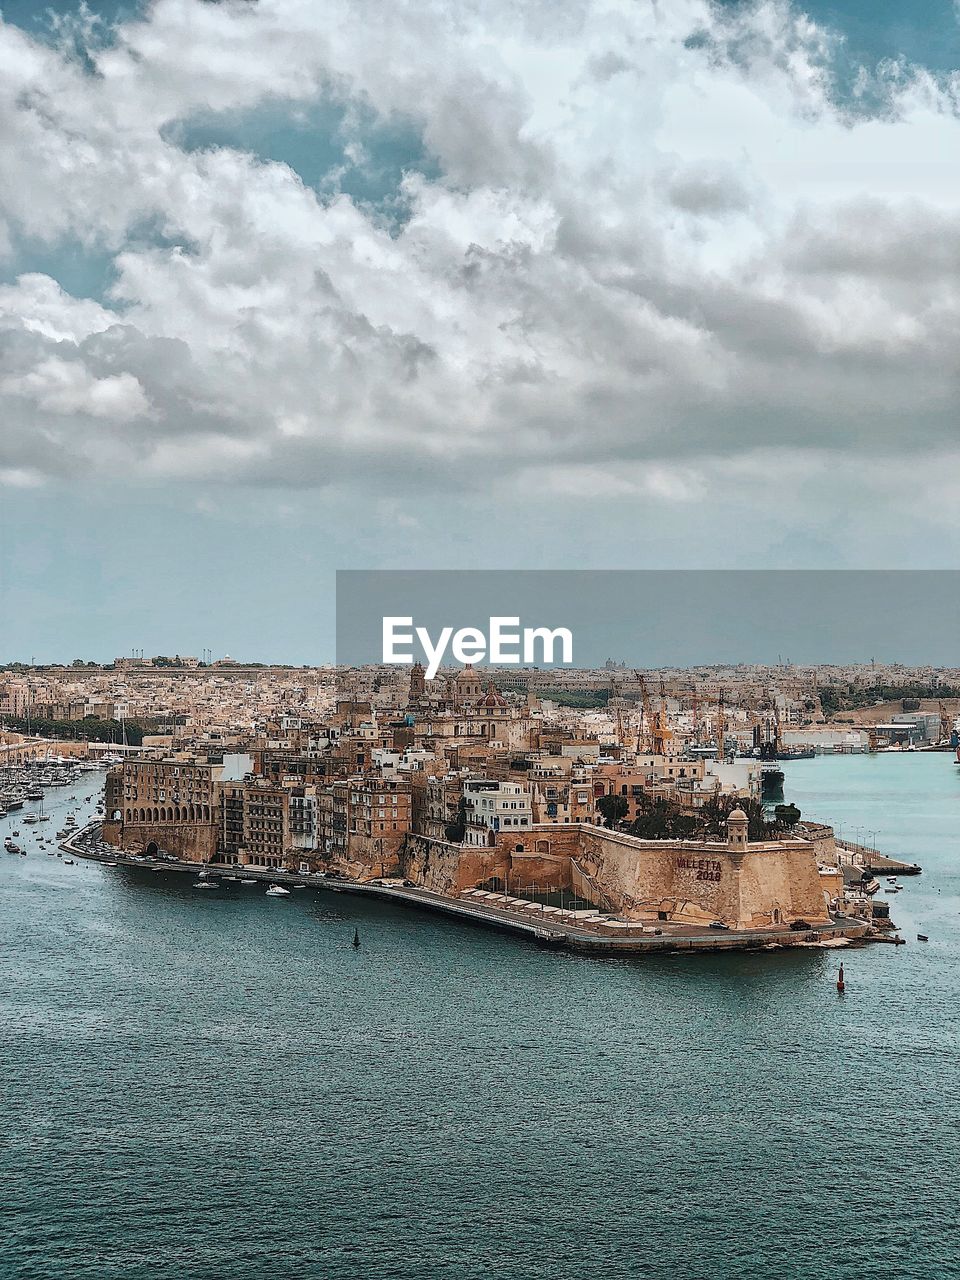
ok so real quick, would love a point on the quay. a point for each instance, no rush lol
(498, 911)
(874, 861)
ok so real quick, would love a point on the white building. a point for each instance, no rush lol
(492, 807)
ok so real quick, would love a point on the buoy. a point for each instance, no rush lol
(840, 980)
(356, 937)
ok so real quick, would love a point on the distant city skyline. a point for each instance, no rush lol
(682, 618)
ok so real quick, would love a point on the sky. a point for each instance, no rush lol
(573, 284)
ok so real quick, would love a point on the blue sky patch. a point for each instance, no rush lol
(332, 148)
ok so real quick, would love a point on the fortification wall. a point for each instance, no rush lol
(450, 868)
(690, 881)
(193, 842)
(786, 881)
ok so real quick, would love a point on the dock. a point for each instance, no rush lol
(511, 915)
(868, 859)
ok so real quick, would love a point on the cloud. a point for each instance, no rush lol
(650, 245)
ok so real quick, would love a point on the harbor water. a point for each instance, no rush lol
(218, 1084)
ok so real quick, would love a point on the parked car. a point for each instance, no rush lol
(717, 924)
(797, 925)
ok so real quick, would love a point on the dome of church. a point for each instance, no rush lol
(492, 700)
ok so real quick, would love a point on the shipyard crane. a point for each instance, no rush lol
(645, 742)
(662, 733)
(944, 721)
(721, 726)
(655, 731)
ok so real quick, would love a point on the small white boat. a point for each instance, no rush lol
(248, 882)
(206, 884)
(278, 891)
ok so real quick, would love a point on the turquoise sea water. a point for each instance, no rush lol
(218, 1085)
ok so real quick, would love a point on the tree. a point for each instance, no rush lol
(613, 808)
(787, 815)
(716, 811)
(456, 830)
(662, 819)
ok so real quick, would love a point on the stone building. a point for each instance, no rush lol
(744, 885)
(171, 805)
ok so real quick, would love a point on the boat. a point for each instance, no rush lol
(68, 862)
(278, 891)
(248, 882)
(922, 937)
(206, 884)
(771, 780)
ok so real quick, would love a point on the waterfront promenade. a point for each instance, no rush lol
(569, 930)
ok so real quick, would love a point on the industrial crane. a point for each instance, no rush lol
(721, 726)
(655, 731)
(645, 735)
